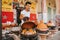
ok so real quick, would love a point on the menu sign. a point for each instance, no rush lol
(32, 17)
(7, 11)
(33, 7)
(7, 5)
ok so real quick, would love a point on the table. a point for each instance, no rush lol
(15, 30)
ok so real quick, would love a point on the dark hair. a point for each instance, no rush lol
(27, 3)
(25, 18)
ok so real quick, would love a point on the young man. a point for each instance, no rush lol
(26, 11)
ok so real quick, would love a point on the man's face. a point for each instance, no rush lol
(28, 6)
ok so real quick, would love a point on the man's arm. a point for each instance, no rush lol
(21, 16)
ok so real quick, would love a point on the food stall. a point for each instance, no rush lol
(28, 30)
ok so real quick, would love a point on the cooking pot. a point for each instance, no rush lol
(28, 25)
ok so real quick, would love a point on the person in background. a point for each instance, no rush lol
(57, 21)
(26, 11)
(14, 13)
(18, 14)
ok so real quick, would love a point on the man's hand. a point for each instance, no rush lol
(21, 16)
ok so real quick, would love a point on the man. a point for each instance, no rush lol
(14, 11)
(57, 20)
(19, 9)
(26, 11)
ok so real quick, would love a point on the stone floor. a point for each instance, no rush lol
(55, 36)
